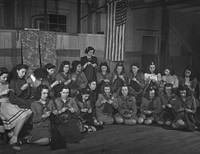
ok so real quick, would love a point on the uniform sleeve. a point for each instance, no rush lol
(58, 105)
(157, 106)
(60, 78)
(143, 105)
(17, 89)
(134, 106)
(98, 102)
(37, 115)
(74, 105)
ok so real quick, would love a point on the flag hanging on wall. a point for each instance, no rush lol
(115, 30)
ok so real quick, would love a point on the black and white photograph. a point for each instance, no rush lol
(99, 76)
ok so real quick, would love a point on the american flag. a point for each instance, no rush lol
(116, 21)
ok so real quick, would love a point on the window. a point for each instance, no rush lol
(57, 23)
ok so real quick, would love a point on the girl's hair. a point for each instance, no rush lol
(88, 49)
(182, 88)
(3, 70)
(49, 66)
(192, 73)
(82, 92)
(156, 70)
(40, 73)
(168, 85)
(121, 65)
(104, 64)
(135, 64)
(120, 90)
(62, 65)
(75, 63)
(90, 81)
(38, 92)
(14, 74)
(58, 88)
(146, 95)
(106, 85)
(170, 69)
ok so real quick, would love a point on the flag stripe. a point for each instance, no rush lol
(116, 19)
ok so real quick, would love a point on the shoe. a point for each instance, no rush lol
(23, 141)
(15, 146)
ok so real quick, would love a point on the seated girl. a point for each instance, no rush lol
(103, 76)
(64, 75)
(152, 77)
(41, 108)
(136, 81)
(119, 77)
(85, 108)
(67, 113)
(169, 77)
(79, 80)
(92, 85)
(186, 110)
(106, 104)
(21, 93)
(150, 107)
(13, 117)
(127, 108)
(168, 105)
(190, 80)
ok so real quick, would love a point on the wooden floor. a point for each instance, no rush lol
(122, 139)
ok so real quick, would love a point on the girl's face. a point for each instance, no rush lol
(134, 69)
(125, 91)
(85, 96)
(119, 69)
(187, 73)
(44, 94)
(183, 93)
(168, 90)
(78, 68)
(66, 68)
(51, 71)
(3, 78)
(64, 93)
(104, 68)
(93, 85)
(152, 68)
(21, 73)
(167, 72)
(90, 53)
(152, 93)
(107, 90)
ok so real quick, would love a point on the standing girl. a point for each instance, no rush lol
(89, 63)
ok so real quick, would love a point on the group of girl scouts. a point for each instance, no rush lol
(84, 96)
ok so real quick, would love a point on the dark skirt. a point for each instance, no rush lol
(188, 119)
